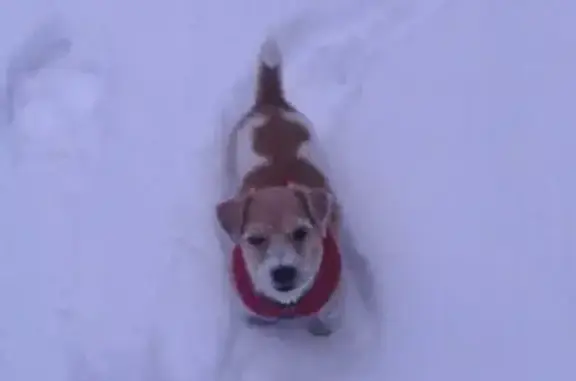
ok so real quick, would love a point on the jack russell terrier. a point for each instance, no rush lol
(284, 219)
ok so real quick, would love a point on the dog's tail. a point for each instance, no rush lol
(269, 87)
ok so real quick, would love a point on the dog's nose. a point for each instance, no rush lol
(284, 277)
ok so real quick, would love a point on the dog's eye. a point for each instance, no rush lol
(256, 240)
(300, 234)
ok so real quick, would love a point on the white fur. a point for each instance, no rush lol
(264, 284)
(297, 117)
(246, 158)
(309, 149)
(278, 254)
(270, 53)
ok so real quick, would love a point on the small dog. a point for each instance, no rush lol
(284, 217)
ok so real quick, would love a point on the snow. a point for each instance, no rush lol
(450, 126)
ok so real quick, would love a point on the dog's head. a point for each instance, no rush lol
(280, 231)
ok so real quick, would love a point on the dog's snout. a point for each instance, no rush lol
(284, 277)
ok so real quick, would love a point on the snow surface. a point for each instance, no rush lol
(450, 124)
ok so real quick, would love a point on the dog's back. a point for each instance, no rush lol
(270, 146)
(281, 190)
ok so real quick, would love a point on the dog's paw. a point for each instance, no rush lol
(255, 321)
(318, 327)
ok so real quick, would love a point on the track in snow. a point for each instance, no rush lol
(450, 136)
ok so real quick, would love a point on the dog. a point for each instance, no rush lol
(284, 217)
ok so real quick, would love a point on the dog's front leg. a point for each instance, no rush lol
(319, 327)
(359, 268)
(328, 319)
(256, 321)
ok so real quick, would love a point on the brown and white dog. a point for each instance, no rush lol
(283, 219)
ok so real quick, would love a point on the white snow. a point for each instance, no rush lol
(450, 129)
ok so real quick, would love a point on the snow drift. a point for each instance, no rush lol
(450, 128)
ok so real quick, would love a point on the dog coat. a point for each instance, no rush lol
(309, 304)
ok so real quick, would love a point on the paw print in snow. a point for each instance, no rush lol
(48, 99)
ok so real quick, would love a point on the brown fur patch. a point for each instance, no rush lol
(279, 140)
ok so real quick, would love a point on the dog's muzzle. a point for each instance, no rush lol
(284, 278)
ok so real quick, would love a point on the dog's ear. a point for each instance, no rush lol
(231, 215)
(319, 204)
